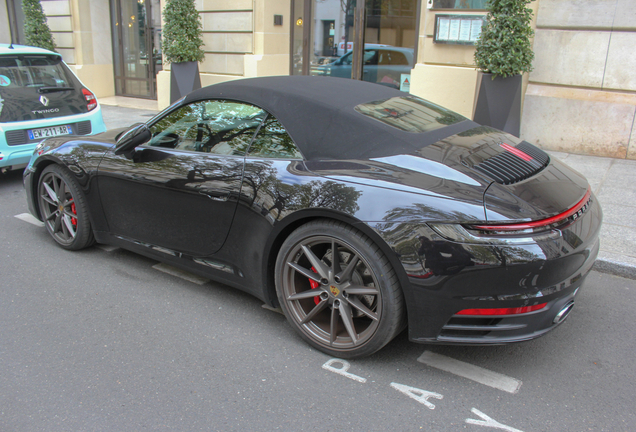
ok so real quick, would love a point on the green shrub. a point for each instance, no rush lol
(36, 29)
(504, 46)
(182, 32)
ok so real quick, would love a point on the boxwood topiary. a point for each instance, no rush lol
(36, 30)
(182, 32)
(503, 48)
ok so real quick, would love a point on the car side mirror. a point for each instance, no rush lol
(136, 135)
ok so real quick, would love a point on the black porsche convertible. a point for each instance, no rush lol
(358, 209)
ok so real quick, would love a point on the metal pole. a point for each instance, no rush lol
(358, 40)
(307, 27)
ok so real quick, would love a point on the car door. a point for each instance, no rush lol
(179, 190)
(370, 68)
(390, 67)
(342, 67)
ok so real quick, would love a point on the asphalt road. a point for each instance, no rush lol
(100, 340)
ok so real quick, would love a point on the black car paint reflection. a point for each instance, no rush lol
(226, 216)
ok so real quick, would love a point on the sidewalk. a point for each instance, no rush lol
(613, 182)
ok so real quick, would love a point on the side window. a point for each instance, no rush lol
(273, 141)
(346, 60)
(213, 126)
(370, 57)
(398, 58)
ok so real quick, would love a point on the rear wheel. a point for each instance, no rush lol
(338, 290)
(63, 209)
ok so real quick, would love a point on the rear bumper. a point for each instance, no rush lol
(445, 278)
(15, 147)
(497, 330)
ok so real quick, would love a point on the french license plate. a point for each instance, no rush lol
(49, 132)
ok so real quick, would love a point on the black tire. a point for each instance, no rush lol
(63, 209)
(355, 306)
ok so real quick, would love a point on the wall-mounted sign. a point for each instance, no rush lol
(458, 29)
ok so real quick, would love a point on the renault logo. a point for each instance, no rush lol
(44, 100)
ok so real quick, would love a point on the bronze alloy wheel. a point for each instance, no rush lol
(63, 210)
(338, 290)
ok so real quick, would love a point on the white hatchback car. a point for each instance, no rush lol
(40, 97)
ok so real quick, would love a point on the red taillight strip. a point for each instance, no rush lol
(539, 223)
(502, 311)
(91, 101)
(516, 152)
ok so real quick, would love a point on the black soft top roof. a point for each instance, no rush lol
(318, 113)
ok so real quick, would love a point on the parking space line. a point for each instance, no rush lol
(180, 273)
(472, 372)
(28, 217)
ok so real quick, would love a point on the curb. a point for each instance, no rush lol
(614, 267)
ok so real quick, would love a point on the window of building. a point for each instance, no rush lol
(460, 4)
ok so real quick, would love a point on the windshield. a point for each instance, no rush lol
(33, 71)
(410, 114)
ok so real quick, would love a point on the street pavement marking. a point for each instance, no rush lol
(107, 248)
(345, 365)
(489, 422)
(28, 217)
(180, 273)
(472, 372)
(422, 396)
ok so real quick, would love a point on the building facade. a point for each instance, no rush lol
(580, 97)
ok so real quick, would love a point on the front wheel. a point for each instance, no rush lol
(338, 290)
(63, 209)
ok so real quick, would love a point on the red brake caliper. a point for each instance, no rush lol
(314, 285)
(73, 220)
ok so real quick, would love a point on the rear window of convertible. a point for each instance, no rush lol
(410, 114)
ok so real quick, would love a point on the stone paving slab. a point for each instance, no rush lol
(116, 116)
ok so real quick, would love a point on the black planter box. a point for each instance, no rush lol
(184, 78)
(499, 102)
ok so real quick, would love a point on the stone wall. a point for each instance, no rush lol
(58, 16)
(5, 33)
(240, 40)
(581, 96)
(446, 74)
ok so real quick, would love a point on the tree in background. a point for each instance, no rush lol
(182, 32)
(36, 29)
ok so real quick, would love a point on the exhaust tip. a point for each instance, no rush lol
(563, 314)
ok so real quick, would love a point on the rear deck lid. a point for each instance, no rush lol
(552, 191)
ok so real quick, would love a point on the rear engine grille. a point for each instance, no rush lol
(18, 137)
(507, 167)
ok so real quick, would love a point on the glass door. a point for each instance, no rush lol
(331, 36)
(136, 28)
(326, 40)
